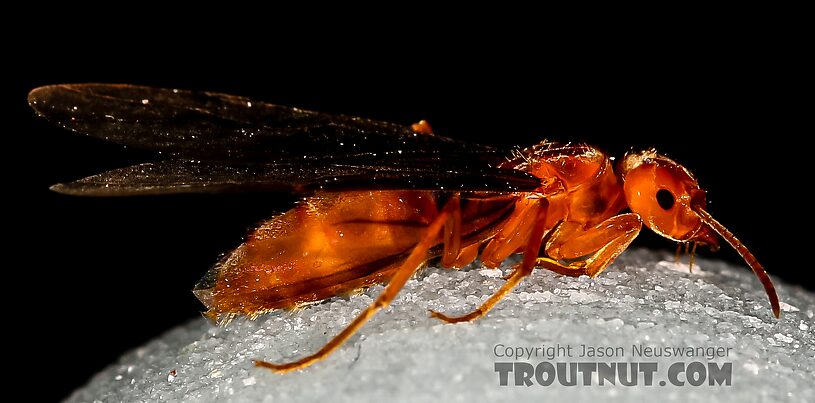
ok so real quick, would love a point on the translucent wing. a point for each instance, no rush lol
(206, 125)
(187, 176)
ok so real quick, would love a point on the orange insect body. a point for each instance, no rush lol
(335, 243)
(569, 215)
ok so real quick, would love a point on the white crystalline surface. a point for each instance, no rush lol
(403, 355)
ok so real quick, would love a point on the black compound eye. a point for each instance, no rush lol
(665, 199)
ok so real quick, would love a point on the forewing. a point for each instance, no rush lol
(213, 126)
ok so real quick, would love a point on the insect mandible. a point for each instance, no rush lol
(380, 199)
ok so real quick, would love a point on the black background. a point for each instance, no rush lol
(92, 278)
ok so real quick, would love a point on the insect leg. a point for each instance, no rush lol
(466, 256)
(518, 274)
(400, 277)
(514, 234)
(604, 241)
(678, 257)
(452, 233)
